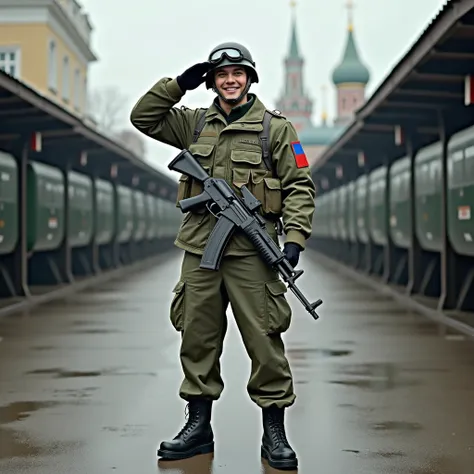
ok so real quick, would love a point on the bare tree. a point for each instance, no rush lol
(105, 106)
(133, 141)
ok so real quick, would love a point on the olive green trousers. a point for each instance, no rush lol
(262, 313)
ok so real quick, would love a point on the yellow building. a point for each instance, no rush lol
(46, 45)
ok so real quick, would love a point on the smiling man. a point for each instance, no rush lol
(239, 140)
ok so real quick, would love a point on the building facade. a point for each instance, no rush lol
(350, 77)
(46, 44)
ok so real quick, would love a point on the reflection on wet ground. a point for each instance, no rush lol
(90, 386)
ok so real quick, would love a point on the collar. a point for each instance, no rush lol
(238, 112)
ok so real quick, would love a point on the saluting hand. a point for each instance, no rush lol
(194, 76)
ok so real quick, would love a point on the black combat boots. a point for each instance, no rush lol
(196, 436)
(275, 446)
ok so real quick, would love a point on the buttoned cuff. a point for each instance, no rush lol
(296, 237)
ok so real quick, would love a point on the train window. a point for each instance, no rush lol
(457, 174)
(7, 187)
(407, 184)
(469, 164)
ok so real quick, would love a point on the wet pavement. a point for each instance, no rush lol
(90, 386)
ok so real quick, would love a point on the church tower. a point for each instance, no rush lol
(294, 103)
(350, 78)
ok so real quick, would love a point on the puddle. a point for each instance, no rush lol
(374, 377)
(301, 358)
(396, 426)
(200, 464)
(14, 443)
(127, 430)
(65, 374)
(59, 373)
(312, 353)
(96, 331)
(80, 393)
(377, 454)
(18, 411)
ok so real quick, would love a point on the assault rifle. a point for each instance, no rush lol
(233, 213)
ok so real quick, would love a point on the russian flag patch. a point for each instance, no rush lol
(299, 154)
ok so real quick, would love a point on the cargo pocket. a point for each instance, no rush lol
(246, 156)
(184, 188)
(277, 308)
(272, 203)
(240, 177)
(203, 154)
(257, 186)
(197, 188)
(177, 306)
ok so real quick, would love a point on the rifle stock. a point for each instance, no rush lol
(234, 212)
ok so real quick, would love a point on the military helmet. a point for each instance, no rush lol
(230, 54)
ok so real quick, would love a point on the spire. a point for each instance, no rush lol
(294, 102)
(294, 52)
(350, 7)
(324, 114)
(351, 69)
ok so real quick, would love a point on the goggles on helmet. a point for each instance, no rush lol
(231, 54)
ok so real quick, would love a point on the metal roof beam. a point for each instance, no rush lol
(423, 92)
(452, 55)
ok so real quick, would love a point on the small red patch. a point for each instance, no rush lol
(299, 154)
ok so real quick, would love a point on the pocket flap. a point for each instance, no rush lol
(276, 287)
(179, 287)
(244, 156)
(273, 183)
(240, 177)
(201, 149)
(258, 176)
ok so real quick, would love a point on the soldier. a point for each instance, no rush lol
(228, 139)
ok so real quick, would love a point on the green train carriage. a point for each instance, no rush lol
(400, 203)
(139, 215)
(46, 226)
(343, 212)
(80, 209)
(351, 212)
(105, 212)
(124, 214)
(9, 208)
(428, 186)
(461, 192)
(377, 205)
(151, 217)
(362, 208)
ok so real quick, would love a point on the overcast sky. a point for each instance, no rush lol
(142, 41)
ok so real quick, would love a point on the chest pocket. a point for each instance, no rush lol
(249, 169)
(189, 187)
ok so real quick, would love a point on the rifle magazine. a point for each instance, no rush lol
(216, 244)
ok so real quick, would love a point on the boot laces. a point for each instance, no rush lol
(277, 430)
(192, 417)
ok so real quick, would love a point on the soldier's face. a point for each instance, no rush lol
(230, 81)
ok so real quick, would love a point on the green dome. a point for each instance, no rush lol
(321, 136)
(351, 69)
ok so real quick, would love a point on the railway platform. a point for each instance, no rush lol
(89, 384)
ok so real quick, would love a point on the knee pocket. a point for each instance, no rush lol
(277, 308)
(178, 306)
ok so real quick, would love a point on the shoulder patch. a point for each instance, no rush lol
(299, 154)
